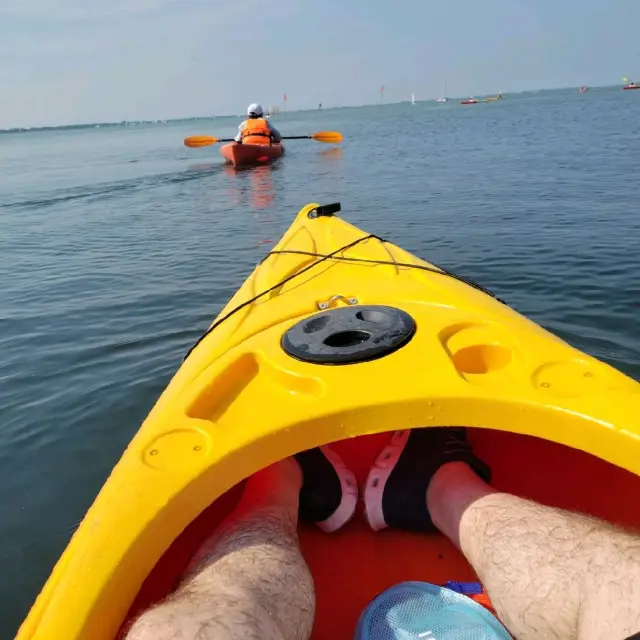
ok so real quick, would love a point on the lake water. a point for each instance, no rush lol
(119, 245)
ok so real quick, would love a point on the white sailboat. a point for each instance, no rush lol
(413, 99)
(444, 97)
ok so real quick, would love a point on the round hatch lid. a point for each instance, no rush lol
(348, 335)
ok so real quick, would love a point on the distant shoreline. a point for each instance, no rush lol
(100, 125)
(129, 123)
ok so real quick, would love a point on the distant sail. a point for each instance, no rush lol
(413, 99)
(444, 97)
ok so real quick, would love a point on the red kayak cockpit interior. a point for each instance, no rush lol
(353, 565)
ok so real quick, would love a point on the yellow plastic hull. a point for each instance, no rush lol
(239, 403)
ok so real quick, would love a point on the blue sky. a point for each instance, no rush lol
(70, 61)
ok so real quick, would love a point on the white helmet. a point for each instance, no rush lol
(255, 110)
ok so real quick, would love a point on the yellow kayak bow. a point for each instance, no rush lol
(336, 334)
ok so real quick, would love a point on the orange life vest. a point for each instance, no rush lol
(256, 131)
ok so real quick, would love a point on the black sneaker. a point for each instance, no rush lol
(396, 490)
(329, 491)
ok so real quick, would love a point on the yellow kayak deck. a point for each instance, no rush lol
(554, 423)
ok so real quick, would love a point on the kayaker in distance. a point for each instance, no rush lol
(549, 573)
(256, 129)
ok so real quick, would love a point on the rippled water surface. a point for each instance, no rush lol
(119, 245)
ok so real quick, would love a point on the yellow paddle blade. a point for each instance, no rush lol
(332, 137)
(199, 141)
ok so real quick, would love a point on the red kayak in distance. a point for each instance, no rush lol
(469, 101)
(630, 86)
(246, 155)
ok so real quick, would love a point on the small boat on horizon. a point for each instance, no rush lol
(444, 95)
(469, 101)
(583, 89)
(494, 98)
(413, 99)
(630, 85)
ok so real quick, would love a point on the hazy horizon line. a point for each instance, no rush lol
(116, 123)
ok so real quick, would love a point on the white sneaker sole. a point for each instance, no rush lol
(377, 479)
(349, 486)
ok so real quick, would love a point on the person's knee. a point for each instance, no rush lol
(232, 613)
(154, 625)
(611, 589)
(165, 623)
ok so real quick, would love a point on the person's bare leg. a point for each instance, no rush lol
(249, 580)
(549, 573)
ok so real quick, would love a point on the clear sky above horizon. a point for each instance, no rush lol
(76, 61)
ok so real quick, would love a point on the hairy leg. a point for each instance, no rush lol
(549, 573)
(249, 580)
